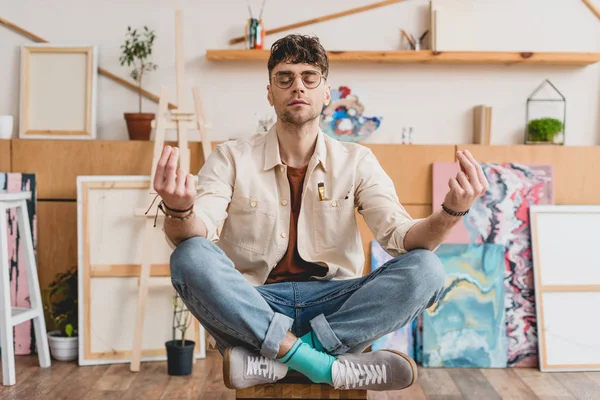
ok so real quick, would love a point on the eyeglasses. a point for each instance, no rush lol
(285, 79)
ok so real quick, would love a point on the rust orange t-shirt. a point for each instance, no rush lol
(292, 267)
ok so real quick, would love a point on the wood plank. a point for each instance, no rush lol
(191, 386)
(409, 167)
(116, 378)
(78, 383)
(150, 383)
(508, 384)
(425, 57)
(57, 239)
(576, 169)
(437, 383)
(42, 381)
(543, 384)
(57, 163)
(473, 384)
(580, 385)
(323, 18)
(5, 152)
(415, 211)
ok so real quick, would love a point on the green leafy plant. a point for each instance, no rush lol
(136, 51)
(60, 302)
(544, 129)
(182, 318)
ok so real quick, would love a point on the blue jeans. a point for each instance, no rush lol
(345, 315)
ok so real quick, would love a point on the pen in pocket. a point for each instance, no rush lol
(321, 188)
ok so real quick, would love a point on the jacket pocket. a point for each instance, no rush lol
(334, 224)
(249, 224)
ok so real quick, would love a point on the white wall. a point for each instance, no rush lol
(436, 100)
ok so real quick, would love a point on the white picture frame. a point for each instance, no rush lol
(567, 286)
(110, 246)
(58, 91)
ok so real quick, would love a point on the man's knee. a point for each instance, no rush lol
(427, 274)
(188, 258)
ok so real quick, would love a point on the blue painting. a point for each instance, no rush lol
(467, 327)
(403, 339)
(343, 118)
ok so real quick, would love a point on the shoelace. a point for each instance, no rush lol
(261, 366)
(351, 375)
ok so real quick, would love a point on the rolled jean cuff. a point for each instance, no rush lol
(279, 326)
(325, 334)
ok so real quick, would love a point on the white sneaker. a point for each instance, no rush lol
(243, 368)
(379, 371)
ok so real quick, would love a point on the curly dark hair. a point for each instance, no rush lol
(297, 49)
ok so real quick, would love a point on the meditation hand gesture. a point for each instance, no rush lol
(176, 187)
(468, 185)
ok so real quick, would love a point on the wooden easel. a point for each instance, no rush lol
(181, 120)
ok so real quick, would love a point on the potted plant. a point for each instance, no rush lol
(136, 51)
(180, 352)
(544, 130)
(60, 304)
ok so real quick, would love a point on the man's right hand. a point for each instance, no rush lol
(176, 187)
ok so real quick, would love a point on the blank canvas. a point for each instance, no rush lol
(567, 286)
(110, 255)
(58, 92)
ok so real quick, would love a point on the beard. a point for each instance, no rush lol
(299, 119)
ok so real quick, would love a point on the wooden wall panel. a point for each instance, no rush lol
(57, 238)
(415, 211)
(5, 155)
(409, 166)
(57, 163)
(576, 169)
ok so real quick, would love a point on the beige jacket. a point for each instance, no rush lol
(244, 201)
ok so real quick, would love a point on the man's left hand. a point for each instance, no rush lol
(468, 185)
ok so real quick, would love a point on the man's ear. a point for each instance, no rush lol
(269, 95)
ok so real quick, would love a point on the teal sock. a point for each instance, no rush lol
(313, 341)
(313, 364)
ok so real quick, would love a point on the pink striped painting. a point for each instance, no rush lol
(19, 290)
(501, 216)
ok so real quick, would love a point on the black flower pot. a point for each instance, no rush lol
(180, 358)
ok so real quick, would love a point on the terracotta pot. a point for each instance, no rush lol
(139, 125)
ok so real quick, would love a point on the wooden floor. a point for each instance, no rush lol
(68, 381)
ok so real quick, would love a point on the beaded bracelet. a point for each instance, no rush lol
(454, 213)
(173, 210)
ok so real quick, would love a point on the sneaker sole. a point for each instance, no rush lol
(412, 363)
(227, 368)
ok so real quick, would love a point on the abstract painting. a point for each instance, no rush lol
(403, 339)
(501, 216)
(343, 117)
(467, 327)
(19, 290)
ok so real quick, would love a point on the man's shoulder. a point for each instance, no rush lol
(351, 149)
(243, 143)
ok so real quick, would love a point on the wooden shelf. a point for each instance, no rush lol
(424, 57)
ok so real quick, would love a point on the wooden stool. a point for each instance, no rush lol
(297, 386)
(11, 316)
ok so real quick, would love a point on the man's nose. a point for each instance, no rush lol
(298, 85)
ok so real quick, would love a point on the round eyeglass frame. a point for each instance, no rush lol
(321, 77)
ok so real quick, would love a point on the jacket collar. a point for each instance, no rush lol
(273, 158)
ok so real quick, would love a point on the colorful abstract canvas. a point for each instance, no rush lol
(403, 339)
(343, 118)
(19, 290)
(467, 327)
(501, 216)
